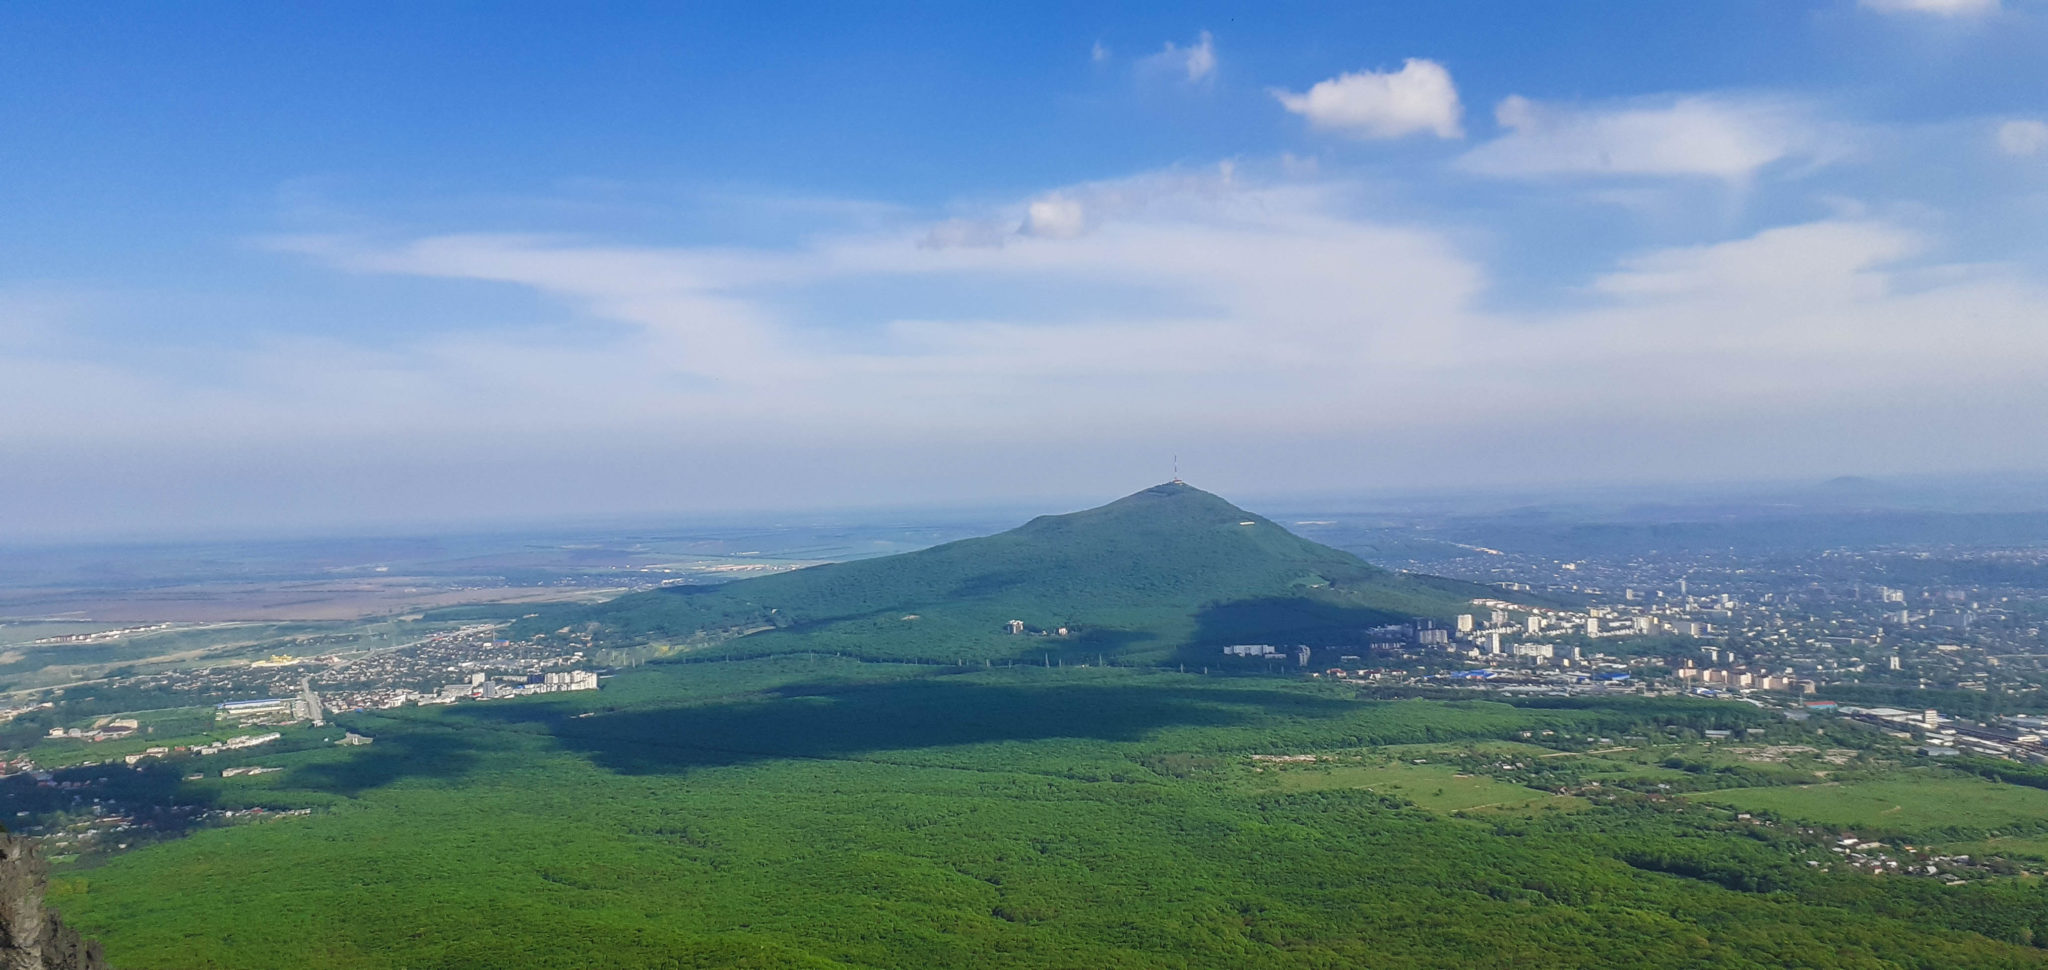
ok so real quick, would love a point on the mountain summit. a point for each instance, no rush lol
(1166, 570)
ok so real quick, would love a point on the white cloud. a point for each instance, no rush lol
(1240, 305)
(1788, 265)
(1098, 53)
(1196, 61)
(1940, 8)
(1128, 313)
(1818, 317)
(1244, 303)
(1202, 58)
(1419, 97)
(1691, 136)
(2023, 138)
(1055, 216)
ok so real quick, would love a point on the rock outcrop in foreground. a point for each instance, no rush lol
(31, 937)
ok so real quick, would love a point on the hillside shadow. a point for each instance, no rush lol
(419, 750)
(1085, 647)
(1287, 620)
(838, 721)
(154, 796)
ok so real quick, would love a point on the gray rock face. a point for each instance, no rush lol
(31, 937)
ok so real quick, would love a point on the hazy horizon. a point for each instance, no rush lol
(1680, 499)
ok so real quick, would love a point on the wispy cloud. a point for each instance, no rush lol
(1229, 303)
(1938, 8)
(1699, 136)
(1245, 303)
(1193, 62)
(2023, 138)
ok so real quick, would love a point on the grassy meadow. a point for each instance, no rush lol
(1923, 802)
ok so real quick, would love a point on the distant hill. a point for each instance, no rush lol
(1169, 570)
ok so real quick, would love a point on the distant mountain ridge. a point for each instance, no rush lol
(1167, 569)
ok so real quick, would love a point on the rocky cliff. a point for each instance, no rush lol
(31, 937)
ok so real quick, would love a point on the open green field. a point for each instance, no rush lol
(1433, 787)
(1917, 800)
(2023, 847)
(796, 812)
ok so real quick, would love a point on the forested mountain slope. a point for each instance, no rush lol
(1167, 569)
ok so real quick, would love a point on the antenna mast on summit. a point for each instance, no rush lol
(1176, 470)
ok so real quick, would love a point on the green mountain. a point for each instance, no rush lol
(1169, 571)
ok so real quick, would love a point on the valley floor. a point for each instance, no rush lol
(795, 812)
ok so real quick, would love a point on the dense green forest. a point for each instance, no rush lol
(820, 812)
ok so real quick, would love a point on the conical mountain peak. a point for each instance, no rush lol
(1141, 572)
(1161, 505)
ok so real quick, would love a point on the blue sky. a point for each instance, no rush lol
(353, 264)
